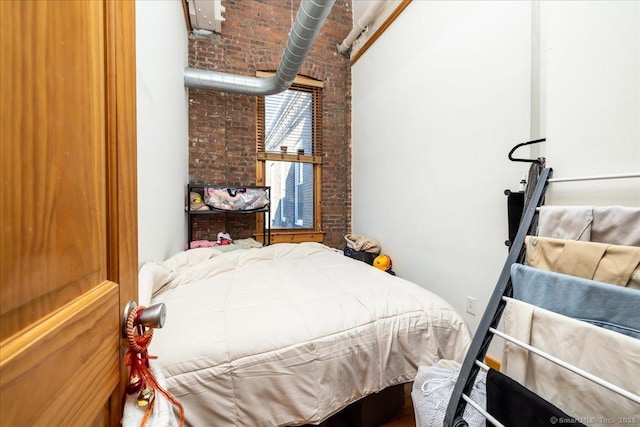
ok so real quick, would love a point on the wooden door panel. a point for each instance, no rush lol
(68, 220)
(53, 157)
(69, 357)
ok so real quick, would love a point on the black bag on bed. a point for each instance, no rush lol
(367, 257)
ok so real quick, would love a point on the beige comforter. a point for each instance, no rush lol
(289, 334)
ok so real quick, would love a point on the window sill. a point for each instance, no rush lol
(291, 236)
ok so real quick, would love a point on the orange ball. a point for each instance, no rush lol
(383, 262)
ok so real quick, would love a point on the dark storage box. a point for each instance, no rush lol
(367, 257)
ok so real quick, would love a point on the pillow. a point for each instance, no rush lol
(154, 275)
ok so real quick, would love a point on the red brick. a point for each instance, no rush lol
(222, 126)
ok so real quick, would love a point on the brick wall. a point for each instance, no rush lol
(222, 128)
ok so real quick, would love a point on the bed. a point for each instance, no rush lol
(289, 334)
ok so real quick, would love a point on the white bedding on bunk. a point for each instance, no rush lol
(289, 334)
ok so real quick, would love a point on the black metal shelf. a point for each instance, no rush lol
(199, 188)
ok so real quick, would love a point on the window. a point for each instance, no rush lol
(289, 156)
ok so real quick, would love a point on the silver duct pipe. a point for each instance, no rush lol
(306, 28)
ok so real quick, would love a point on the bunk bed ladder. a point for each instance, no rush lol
(495, 307)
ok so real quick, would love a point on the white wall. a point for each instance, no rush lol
(438, 102)
(449, 88)
(161, 55)
(591, 67)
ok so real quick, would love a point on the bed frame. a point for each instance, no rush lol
(370, 411)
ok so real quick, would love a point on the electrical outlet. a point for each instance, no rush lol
(471, 305)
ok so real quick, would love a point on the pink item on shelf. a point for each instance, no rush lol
(202, 244)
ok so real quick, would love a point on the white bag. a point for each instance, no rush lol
(432, 389)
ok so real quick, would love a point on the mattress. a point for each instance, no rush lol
(289, 334)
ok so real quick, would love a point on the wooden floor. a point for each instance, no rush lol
(405, 417)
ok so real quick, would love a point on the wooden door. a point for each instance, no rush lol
(68, 230)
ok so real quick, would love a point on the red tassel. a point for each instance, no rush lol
(137, 358)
